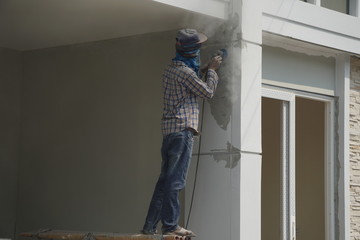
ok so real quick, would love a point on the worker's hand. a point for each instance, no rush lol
(215, 63)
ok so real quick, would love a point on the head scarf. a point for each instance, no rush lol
(190, 55)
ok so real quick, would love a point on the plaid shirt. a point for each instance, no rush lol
(181, 88)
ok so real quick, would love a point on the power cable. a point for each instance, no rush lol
(197, 164)
(223, 53)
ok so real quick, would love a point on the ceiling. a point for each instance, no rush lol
(34, 24)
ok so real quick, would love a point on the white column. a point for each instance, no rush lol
(342, 91)
(246, 121)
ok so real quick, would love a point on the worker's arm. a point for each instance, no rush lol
(200, 88)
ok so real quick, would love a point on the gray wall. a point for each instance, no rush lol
(90, 151)
(10, 85)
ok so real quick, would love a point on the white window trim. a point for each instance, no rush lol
(288, 206)
(330, 144)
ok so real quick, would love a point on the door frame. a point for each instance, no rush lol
(288, 96)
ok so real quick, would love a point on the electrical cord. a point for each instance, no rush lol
(223, 54)
(197, 165)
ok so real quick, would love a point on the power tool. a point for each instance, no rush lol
(222, 53)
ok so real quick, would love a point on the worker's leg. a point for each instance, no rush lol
(153, 215)
(179, 150)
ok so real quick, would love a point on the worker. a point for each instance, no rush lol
(182, 85)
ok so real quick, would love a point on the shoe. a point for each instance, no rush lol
(147, 232)
(180, 231)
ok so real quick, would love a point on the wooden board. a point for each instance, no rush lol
(49, 234)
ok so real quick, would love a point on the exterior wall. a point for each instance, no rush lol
(229, 176)
(84, 129)
(10, 86)
(355, 149)
(90, 149)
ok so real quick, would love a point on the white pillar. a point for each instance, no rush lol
(227, 200)
(246, 121)
(342, 92)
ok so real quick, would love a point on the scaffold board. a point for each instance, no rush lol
(48, 234)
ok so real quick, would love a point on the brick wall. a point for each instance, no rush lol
(355, 149)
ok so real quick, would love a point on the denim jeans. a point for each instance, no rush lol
(176, 156)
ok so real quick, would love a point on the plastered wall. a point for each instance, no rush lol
(298, 70)
(90, 151)
(10, 81)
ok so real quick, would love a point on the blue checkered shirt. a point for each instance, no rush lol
(182, 87)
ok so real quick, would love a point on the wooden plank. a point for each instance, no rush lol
(48, 234)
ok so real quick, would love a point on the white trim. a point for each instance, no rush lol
(292, 169)
(288, 184)
(342, 91)
(330, 169)
(286, 204)
(276, 94)
(300, 87)
(329, 164)
(300, 93)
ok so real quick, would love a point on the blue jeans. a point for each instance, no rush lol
(176, 156)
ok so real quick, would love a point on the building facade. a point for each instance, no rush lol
(279, 153)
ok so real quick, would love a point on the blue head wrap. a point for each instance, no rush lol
(190, 55)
